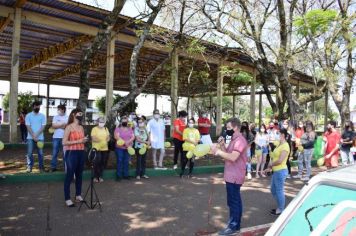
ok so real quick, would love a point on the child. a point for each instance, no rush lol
(191, 136)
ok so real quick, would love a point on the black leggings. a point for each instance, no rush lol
(178, 148)
(289, 166)
(100, 163)
(184, 163)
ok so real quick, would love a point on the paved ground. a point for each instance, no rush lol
(158, 206)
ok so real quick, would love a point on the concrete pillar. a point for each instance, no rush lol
(326, 109)
(191, 107)
(15, 63)
(110, 67)
(155, 101)
(253, 99)
(233, 105)
(260, 111)
(174, 86)
(220, 82)
(47, 98)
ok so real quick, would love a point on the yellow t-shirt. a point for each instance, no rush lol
(275, 156)
(102, 135)
(192, 134)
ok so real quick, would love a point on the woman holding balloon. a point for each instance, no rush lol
(124, 137)
(141, 144)
(191, 137)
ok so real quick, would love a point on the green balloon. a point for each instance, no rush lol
(40, 145)
(320, 161)
(2, 146)
(131, 151)
(201, 150)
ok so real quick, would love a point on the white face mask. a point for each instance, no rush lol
(156, 116)
(190, 125)
(141, 124)
(101, 125)
(285, 126)
(300, 126)
(59, 112)
(263, 130)
(205, 115)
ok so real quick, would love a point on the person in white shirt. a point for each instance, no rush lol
(59, 122)
(156, 130)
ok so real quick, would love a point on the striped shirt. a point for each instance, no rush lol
(75, 136)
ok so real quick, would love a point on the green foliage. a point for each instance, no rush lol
(25, 101)
(195, 47)
(100, 104)
(242, 77)
(315, 21)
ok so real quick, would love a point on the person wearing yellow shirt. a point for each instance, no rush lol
(191, 138)
(278, 164)
(100, 137)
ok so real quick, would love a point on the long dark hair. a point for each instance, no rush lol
(72, 115)
(264, 126)
(245, 129)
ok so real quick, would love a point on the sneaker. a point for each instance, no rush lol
(190, 176)
(69, 203)
(96, 180)
(175, 167)
(145, 177)
(138, 177)
(257, 176)
(156, 168)
(275, 213)
(29, 170)
(298, 176)
(288, 177)
(306, 178)
(228, 231)
(101, 180)
(161, 168)
(249, 176)
(79, 198)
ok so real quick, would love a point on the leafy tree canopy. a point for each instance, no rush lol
(25, 101)
(100, 104)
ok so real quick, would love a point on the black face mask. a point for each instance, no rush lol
(79, 118)
(36, 110)
(229, 132)
(329, 129)
(124, 124)
(347, 127)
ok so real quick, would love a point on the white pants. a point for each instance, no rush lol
(161, 155)
(206, 139)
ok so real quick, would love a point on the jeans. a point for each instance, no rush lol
(277, 187)
(178, 149)
(31, 144)
(347, 157)
(235, 205)
(305, 156)
(184, 162)
(140, 163)
(122, 164)
(57, 146)
(23, 130)
(74, 160)
(100, 163)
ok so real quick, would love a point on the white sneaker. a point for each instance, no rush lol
(298, 176)
(69, 203)
(175, 167)
(145, 177)
(305, 178)
(249, 176)
(101, 180)
(78, 198)
(288, 177)
(138, 177)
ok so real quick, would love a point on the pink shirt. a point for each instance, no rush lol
(125, 134)
(234, 172)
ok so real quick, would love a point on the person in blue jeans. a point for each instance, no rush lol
(278, 164)
(35, 123)
(58, 124)
(125, 134)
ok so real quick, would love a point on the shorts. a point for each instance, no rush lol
(333, 161)
(263, 149)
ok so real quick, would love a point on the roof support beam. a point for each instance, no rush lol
(5, 22)
(47, 54)
(20, 3)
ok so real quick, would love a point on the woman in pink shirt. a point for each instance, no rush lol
(125, 133)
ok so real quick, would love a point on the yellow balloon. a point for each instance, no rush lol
(167, 145)
(2, 146)
(40, 145)
(142, 151)
(120, 142)
(300, 148)
(201, 150)
(190, 154)
(131, 151)
(188, 146)
(320, 161)
(51, 130)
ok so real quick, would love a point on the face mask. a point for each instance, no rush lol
(156, 116)
(101, 125)
(285, 126)
(329, 129)
(347, 127)
(141, 124)
(300, 126)
(205, 115)
(191, 125)
(271, 127)
(79, 118)
(230, 132)
(36, 110)
(263, 130)
(59, 112)
(124, 124)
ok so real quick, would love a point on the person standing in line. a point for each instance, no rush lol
(235, 159)
(332, 140)
(178, 127)
(285, 125)
(23, 127)
(141, 139)
(204, 125)
(191, 136)
(245, 131)
(273, 136)
(261, 142)
(100, 137)
(59, 123)
(35, 124)
(346, 143)
(157, 135)
(125, 133)
(73, 141)
(278, 164)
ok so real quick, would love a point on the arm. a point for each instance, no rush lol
(56, 125)
(93, 136)
(228, 156)
(176, 128)
(30, 131)
(40, 131)
(116, 135)
(66, 141)
(283, 156)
